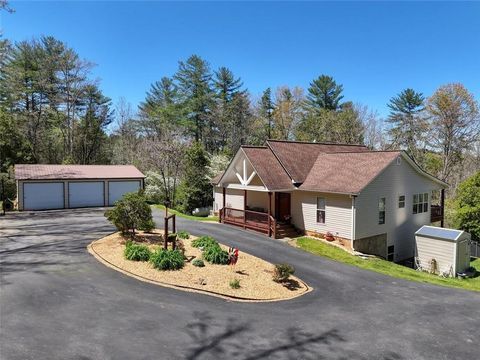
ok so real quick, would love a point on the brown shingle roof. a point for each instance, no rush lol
(347, 172)
(217, 178)
(41, 172)
(268, 168)
(298, 157)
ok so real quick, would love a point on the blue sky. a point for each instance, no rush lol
(375, 49)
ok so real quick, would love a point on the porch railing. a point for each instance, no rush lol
(436, 213)
(249, 219)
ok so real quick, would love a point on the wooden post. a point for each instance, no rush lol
(442, 206)
(269, 214)
(244, 208)
(165, 235)
(222, 210)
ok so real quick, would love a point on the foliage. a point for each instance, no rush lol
(324, 93)
(386, 267)
(214, 254)
(185, 216)
(136, 252)
(154, 187)
(8, 187)
(195, 188)
(235, 284)
(282, 272)
(183, 234)
(130, 213)
(467, 205)
(204, 241)
(198, 263)
(167, 259)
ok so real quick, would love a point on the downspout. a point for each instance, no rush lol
(354, 216)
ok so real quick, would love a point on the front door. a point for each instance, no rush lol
(282, 207)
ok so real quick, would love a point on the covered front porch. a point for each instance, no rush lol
(266, 212)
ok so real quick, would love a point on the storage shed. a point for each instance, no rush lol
(449, 248)
(42, 187)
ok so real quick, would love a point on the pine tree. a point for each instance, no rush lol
(324, 93)
(407, 125)
(194, 81)
(226, 85)
(266, 112)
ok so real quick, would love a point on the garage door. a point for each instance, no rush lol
(85, 194)
(116, 189)
(43, 196)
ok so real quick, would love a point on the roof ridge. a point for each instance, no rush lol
(362, 152)
(313, 143)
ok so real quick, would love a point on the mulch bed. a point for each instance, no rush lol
(255, 274)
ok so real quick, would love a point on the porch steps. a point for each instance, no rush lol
(286, 231)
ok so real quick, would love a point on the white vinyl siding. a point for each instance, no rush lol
(85, 194)
(400, 225)
(338, 213)
(442, 251)
(233, 199)
(43, 196)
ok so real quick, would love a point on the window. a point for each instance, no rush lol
(420, 203)
(401, 201)
(321, 210)
(381, 211)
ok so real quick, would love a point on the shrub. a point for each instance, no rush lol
(204, 242)
(214, 254)
(198, 263)
(467, 204)
(130, 213)
(282, 272)
(167, 259)
(136, 252)
(183, 234)
(235, 284)
(172, 237)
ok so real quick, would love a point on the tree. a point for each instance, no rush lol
(407, 124)
(266, 108)
(467, 206)
(226, 85)
(454, 124)
(324, 93)
(131, 213)
(288, 112)
(196, 190)
(194, 84)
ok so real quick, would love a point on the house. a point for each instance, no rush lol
(42, 187)
(373, 201)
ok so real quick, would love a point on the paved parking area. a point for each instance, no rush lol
(58, 302)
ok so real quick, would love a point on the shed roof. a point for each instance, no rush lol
(439, 233)
(53, 172)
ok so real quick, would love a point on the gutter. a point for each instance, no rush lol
(354, 216)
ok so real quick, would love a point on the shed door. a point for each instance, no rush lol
(463, 256)
(86, 194)
(116, 189)
(43, 196)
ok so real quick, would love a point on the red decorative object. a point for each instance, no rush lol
(329, 236)
(232, 256)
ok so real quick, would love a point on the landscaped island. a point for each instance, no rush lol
(251, 279)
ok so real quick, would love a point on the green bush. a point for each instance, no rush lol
(183, 234)
(204, 242)
(167, 259)
(235, 284)
(467, 205)
(136, 252)
(214, 254)
(198, 263)
(282, 272)
(131, 213)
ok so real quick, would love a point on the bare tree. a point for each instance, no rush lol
(454, 124)
(288, 111)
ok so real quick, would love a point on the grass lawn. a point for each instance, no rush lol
(190, 217)
(386, 267)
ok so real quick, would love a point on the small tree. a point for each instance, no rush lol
(131, 213)
(468, 206)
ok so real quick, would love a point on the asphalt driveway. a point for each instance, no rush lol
(58, 302)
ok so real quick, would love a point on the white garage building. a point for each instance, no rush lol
(42, 187)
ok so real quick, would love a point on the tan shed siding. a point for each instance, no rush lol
(400, 224)
(442, 251)
(338, 213)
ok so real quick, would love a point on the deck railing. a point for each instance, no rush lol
(436, 213)
(249, 219)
